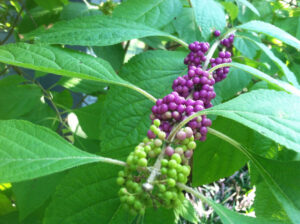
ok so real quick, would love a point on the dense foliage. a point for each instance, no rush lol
(119, 112)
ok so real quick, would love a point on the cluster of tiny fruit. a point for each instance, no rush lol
(163, 152)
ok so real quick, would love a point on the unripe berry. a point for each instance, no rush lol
(171, 182)
(181, 135)
(192, 145)
(172, 173)
(172, 163)
(156, 122)
(161, 135)
(142, 162)
(120, 181)
(162, 188)
(176, 157)
(157, 142)
(164, 162)
(169, 151)
(168, 195)
(179, 150)
(163, 170)
(130, 199)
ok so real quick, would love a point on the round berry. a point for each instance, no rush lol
(162, 188)
(172, 173)
(156, 122)
(172, 163)
(192, 145)
(186, 170)
(168, 195)
(120, 180)
(181, 135)
(157, 142)
(176, 157)
(142, 162)
(171, 182)
(163, 170)
(169, 151)
(164, 162)
(130, 199)
(162, 135)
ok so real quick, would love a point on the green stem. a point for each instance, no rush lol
(141, 91)
(215, 46)
(112, 161)
(183, 43)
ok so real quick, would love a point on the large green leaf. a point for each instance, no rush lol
(154, 13)
(209, 16)
(63, 62)
(88, 194)
(186, 27)
(126, 118)
(271, 30)
(42, 187)
(58, 61)
(95, 30)
(215, 159)
(235, 82)
(28, 151)
(273, 114)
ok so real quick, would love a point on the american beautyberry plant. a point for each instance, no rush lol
(149, 111)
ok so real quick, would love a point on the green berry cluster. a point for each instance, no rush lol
(174, 168)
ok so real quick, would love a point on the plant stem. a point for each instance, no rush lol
(183, 43)
(143, 92)
(10, 32)
(215, 46)
(112, 161)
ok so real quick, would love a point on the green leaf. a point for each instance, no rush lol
(85, 121)
(187, 211)
(186, 27)
(26, 201)
(126, 119)
(290, 76)
(95, 30)
(5, 205)
(282, 178)
(249, 5)
(114, 54)
(28, 151)
(154, 13)
(82, 85)
(63, 62)
(281, 85)
(273, 114)
(271, 30)
(265, 203)
(161, 215)
(245, 45)
(235, 82)
(63, 98)
(215, 159)
(58, 61)
(209, 16)
(88, 194)
(49, 4)
(77, 9)
(232, 9)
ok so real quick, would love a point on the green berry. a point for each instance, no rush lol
(172, 173)
(162, 135)
(163, 170)
(129, 159)
(179, 150)
(157, 142)
(137, 205)
(151, 154)
(156, 122)
(141, 154)
(199, 119)
(153, 128)
(164, 162)
(176, 157)
(133, 212)
(179, 168)
(162, 188)
(157, 150)
(186, 170)
(172, 163)
(185, 141)
(120, 181)
(142, 162)
(121, 173)
(122, 191)
(146, 140)
(168, 195)
(181, 178)
(184, 147)
(171, 182)
(192, 145)
(147, 148)
(130, 199)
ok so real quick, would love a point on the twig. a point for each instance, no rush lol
(10, 32)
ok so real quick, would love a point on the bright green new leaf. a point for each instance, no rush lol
(249, 5)
(209, 16)
(271, 30)
(28, 151)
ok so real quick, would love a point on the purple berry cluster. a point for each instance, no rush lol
(227, 42)
(192, 92)
(221, 73)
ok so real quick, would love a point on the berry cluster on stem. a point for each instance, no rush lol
(163, 158)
